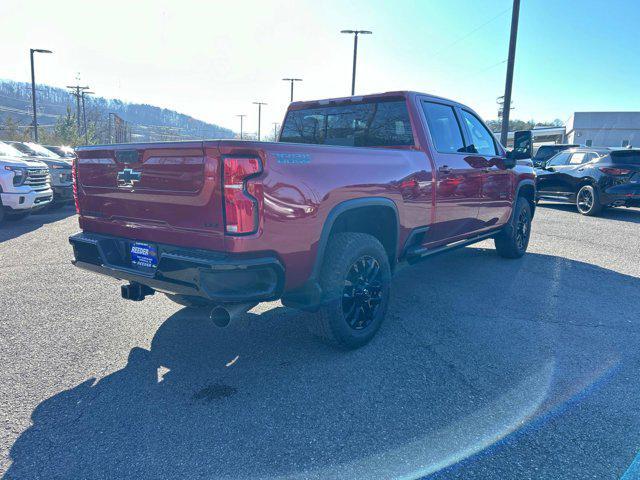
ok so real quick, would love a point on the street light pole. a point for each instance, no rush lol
(33, 90)
(355, 54)
(241, 119)
(292, 80)
(506, 107)
(259, 115)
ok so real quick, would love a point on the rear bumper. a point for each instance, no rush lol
(622, 195)
(216, 277)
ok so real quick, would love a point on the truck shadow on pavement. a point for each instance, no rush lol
(14, 228)
(474, 349)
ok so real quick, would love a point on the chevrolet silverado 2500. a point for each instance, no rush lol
(59, 169)
(24, 184)
(319, 219)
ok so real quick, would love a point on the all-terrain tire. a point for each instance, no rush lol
(513, 240)
(355, 279)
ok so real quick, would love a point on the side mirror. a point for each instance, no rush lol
(510, 159)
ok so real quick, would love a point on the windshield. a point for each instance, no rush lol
(41, 151)
(66, 152)
(545, 153)
(10, 151)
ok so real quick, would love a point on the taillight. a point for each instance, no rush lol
(615, 171)
(74, 178)
(242, 198)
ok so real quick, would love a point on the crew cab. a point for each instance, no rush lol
(24, 184)
(319, 219)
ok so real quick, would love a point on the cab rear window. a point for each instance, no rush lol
(377, 124)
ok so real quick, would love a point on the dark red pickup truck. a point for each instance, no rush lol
(319, 219)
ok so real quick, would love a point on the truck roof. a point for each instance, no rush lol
(361, 98)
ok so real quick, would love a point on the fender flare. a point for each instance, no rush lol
(338, 210)
(522, 183)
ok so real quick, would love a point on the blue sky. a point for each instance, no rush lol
(212, 59)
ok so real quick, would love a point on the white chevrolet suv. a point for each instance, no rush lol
(25, 185)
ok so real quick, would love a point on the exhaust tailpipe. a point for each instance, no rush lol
(223, 315)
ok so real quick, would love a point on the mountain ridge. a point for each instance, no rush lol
(145, 122)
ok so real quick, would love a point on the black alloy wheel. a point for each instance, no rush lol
(362, 293)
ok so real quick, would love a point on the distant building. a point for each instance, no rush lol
(604, 129)
(591, 129)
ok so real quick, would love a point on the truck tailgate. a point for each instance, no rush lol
(167, 192)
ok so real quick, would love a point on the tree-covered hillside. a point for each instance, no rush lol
(58, 123)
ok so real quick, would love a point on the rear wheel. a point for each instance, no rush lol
(513, 240)
(588, 201)
(355, 281)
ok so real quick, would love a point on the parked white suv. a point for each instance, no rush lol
(25, 185)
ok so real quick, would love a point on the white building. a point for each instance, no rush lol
(604, 129)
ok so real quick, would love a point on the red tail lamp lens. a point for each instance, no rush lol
(242, 197)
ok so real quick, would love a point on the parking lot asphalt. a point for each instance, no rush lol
(485, 368)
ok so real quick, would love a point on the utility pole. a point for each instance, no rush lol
(355, 54)
(259, 115)
(292, 80)
(33, 90)
(75, 91)
(275, 131)
(504, 131)
(241, 121)
(84, 115)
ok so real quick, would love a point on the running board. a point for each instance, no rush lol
(555, 198)
(417, 253)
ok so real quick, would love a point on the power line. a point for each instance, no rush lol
(490, 67)
(467, 35)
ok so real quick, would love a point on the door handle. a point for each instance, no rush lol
(581, 169)
(444, 169)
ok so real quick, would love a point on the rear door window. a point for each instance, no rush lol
(444, 127)
(578, 158)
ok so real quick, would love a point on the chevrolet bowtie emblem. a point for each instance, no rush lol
(128, 177)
